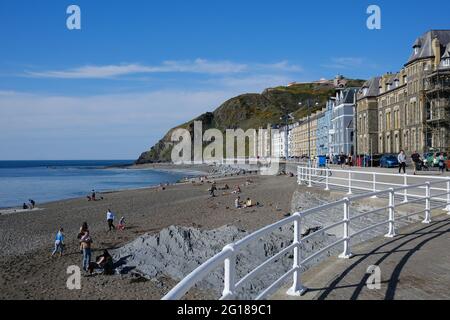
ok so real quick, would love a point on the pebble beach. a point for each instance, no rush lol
(27, 271)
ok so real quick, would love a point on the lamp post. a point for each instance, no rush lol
(286, 117)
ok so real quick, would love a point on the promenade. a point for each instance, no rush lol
(413, 265)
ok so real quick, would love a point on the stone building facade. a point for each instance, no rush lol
(406, 102)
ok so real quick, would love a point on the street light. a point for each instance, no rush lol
(309, 127)
(286, 117)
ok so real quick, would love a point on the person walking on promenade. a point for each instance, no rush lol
(59, 242)
(342, 160)
(441, 162)
(86, 242)
(415, 157)
(401, 162)
(110, 220)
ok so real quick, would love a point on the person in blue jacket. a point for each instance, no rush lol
(59, 242)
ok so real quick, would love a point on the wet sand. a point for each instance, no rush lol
(26, 239)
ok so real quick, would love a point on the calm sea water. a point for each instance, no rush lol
(45, 181)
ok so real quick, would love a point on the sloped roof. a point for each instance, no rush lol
(424, 43)
(445, 57)
(348, 96)
(372, 86)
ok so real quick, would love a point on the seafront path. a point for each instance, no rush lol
(413, 265)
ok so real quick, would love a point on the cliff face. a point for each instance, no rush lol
(250, 111)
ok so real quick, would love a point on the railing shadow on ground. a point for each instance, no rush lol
(402, 239)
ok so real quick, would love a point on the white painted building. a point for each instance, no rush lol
(279, 143)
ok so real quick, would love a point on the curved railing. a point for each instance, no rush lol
(227, 257)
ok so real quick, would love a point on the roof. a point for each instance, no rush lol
(372, 86)
(424, 44)
(445, 57)
(346, 96)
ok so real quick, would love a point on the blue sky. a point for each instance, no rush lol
(137, 68)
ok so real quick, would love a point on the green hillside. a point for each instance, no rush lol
(251, 111)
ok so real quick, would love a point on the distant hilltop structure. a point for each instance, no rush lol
(338, 82)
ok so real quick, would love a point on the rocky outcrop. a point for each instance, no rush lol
(177, 251)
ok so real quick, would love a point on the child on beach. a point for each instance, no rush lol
(121, 225)
(59, 242)
(237, 203)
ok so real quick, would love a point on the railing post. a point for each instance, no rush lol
(374, 184)
(310, 177)
(391, 232)
(349, 182)
(405, 193)
(229, 274)
(427, 204)
(448, 198)
(297, 288)
(327, 187)
(346, 254)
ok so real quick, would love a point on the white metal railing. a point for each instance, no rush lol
(369, 181)
(227, 257)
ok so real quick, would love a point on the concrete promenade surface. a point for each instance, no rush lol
(415, 265)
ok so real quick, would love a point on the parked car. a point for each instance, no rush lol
(389, 161)
(371, 161)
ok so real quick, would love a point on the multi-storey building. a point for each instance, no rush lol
(303, 136)
(366, 116)
(279, 142)
(323, 129)
(341, 131)
(264, 142)
(412, 105)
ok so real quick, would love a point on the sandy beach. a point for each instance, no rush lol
(26, 239)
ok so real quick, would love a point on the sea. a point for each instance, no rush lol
(46, 181)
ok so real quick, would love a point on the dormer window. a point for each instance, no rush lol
(389, 86)
(365, 91)
(417, 45)
(396, 82)
(446, 62)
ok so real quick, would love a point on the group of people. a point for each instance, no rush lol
(103, 262)
(419, 163)
(238, 204)
(30, 205)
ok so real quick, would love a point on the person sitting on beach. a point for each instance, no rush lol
(110, 220)
(121, 225)
(249, 203)
(86, 242)
(24, 206)
(237, 203)
(237, 189)
(32, 203)
(59, 242)
(104, 262)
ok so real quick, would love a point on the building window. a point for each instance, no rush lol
(447, 62)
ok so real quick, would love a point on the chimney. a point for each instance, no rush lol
(436, 46)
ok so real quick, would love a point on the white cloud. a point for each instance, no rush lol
(200, 66)
(35, 126)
